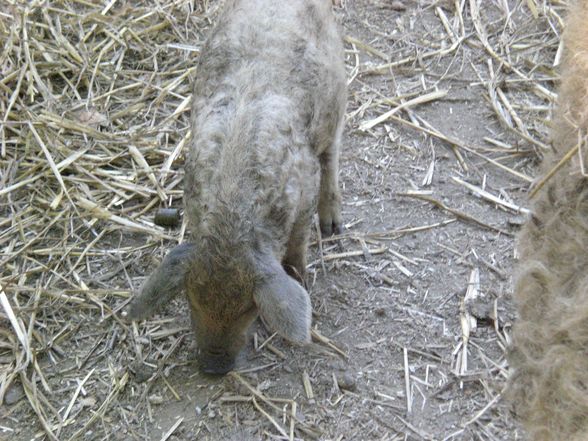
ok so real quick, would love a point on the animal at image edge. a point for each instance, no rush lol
(549, 354)
(268, 107)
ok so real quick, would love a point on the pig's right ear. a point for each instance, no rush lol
(285, 306)
(161, 286)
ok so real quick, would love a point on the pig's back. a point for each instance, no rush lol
(268, 98)
(287, 48)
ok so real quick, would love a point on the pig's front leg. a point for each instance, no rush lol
(329, 207)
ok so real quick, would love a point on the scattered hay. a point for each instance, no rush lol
(93, 121)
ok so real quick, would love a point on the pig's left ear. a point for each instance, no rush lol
(284, 305)
(163, 284)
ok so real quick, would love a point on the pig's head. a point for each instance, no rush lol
(225, 297)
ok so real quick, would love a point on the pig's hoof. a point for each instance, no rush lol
(294, 272)
(331, 227)
(329, 211)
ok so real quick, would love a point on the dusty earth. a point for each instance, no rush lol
(413, 300)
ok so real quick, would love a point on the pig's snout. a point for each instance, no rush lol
(216, 361)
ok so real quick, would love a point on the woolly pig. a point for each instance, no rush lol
(268, 107)
(549, 356)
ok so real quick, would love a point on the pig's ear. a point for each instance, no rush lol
(285, 306)
(161, 286)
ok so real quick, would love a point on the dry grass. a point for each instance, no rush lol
(94, 102)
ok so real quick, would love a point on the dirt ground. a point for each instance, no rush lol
(412, 304)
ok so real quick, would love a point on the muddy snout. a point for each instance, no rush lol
(216, 361)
